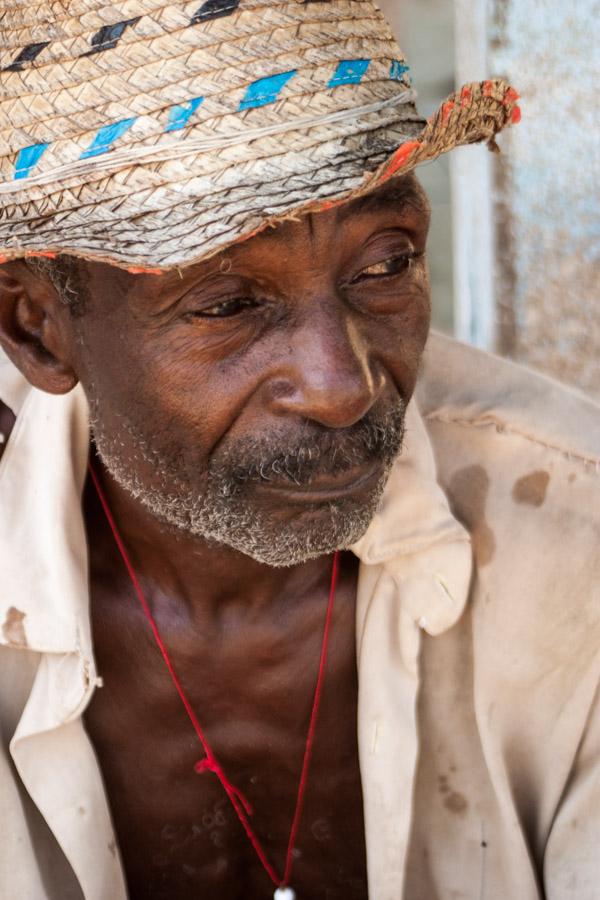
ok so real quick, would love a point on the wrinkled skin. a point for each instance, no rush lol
(313, 326)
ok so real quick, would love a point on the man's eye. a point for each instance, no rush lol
(226, 308)
(398, 265)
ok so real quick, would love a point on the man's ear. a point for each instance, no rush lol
(35, 328)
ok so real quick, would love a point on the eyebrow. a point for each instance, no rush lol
(399, 194)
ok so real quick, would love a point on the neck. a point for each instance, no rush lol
(188, 568)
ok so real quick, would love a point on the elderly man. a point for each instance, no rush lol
(280, 625)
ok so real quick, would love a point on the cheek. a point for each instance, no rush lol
(199, 398)
(172, 396)
(403, 338)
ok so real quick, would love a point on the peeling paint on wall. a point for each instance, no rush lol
(548, 199)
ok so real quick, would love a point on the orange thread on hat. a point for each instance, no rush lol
(516, 115)
(466, 96)
(330, 204)
(140, 270)
(401, 157)
(45, 253)
(488, 88)
(511, 96)
(447, 109)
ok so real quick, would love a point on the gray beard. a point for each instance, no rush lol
(222, 509)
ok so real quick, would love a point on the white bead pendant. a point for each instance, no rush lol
(284, 893)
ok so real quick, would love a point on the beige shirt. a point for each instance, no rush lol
(478, 648)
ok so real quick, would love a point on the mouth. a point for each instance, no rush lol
(323, 488)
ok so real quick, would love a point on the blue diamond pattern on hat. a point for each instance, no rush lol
(350, 71)
(398, 69)
(28, 159)
(107, 136)
(180, 115)
(265, 90)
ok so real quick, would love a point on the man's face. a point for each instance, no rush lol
(258, 399)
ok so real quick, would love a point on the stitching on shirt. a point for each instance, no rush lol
(502, 428)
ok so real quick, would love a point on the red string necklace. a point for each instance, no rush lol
(210, 763)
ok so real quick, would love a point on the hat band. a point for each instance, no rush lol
(179, 149)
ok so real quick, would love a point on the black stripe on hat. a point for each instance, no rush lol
(109, 36)
(27, 54)
(214, 9)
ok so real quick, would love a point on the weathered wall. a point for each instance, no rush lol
(548, 222)
(425, 32)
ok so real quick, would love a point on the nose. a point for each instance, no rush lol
(329, 375)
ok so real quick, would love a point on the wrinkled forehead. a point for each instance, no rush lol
(402, 197)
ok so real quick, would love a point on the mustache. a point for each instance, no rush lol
(317, 450)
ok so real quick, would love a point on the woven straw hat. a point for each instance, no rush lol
(152, 134)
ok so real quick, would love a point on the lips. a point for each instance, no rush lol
(329, 487)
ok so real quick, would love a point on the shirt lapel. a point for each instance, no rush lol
(43, 555)
(415, 574)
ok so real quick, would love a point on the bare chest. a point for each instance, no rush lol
(178, 834)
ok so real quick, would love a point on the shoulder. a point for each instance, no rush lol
(518, 456)
(462, 386)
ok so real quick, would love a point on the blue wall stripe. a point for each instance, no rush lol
(179, 115)
(107, 136)
(397, 70)
(349, 71)
(28, 158)
(265, 90)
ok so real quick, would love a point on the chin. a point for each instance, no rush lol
(318, 529)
